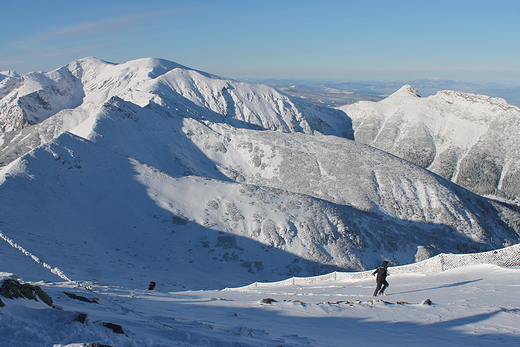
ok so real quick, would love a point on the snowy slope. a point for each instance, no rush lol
(470, 306)
(118, 174)
(467, 138)
(87, 202)
(31, 98)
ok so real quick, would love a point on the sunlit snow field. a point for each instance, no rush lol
(470, 306)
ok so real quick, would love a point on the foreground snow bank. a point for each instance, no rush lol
(467, 306)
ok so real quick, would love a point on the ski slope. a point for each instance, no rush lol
(472, 305)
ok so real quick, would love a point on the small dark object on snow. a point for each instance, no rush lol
(267, 301)
(115, 327)
(81, 317)
(152, 285)
(93, 344)
(426, 302)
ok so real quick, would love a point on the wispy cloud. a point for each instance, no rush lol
(85, 38)
(7, 62)
(105, 26)
(59, 51)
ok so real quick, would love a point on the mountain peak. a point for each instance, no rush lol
(407, 90)
(9, 73)
(156, 66)
(460, 136)
(189, 175)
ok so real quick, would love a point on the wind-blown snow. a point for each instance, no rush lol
(467, 138)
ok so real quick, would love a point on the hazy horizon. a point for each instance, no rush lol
(342, 40)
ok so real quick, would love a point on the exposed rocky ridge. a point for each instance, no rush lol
(13, 289)
(467, 138)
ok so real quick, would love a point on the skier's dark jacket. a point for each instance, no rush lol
(381, 272)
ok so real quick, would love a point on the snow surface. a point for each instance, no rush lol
(85, 200)
(37, 107)
(467, 138)
(471, 306)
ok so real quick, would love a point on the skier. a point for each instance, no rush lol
(381, 282)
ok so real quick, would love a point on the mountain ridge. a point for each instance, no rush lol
(188, 173)
(467, 138)
(90, 83)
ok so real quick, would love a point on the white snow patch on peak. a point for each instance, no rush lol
(8, 73)
(156, 66)
(152, 67)
(406, 90)
(486, 101)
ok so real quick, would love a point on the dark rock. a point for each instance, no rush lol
(267, 301)
(1, 303)
(81, 317)
(118, 329)
(93, 344)
(81, 298)
(12, 289)
(426, 302)
(43, 296)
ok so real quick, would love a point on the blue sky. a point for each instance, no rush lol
(468, 40)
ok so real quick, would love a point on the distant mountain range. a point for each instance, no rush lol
(178, 173)
(334, 94)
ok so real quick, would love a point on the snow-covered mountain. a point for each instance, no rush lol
(78, 90)
(175, 173)
(470, 139)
